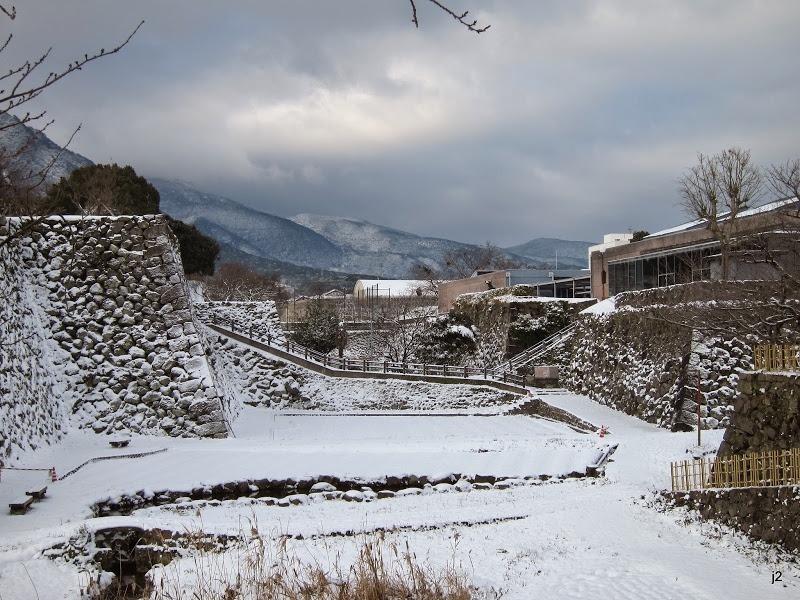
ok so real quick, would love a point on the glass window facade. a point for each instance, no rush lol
(645, 272)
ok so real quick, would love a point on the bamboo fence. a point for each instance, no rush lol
(758, 469)
(776, 357)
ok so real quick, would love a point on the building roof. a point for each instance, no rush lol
(700, 223)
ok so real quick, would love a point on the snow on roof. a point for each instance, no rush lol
(697, 223)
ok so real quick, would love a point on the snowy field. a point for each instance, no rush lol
(580, 538)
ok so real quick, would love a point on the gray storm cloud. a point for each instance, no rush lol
(563, 119)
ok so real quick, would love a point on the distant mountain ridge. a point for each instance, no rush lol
(372, 248)
(41, 152)
(310, 242)
(549, 251)
(245, 229)
(341, 244)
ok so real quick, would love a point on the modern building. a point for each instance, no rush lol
(551, 284)
(690, 252)
(610, 240)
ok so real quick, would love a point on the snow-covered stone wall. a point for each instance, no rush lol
(251, 377)
(102, 330)
(635, 361)
(767, 414)
(258, 379)
(32, 395)
(770, 514)
(631, 363)
(494, 311)
(257, 320)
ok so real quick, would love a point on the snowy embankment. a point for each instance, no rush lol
(260, 379)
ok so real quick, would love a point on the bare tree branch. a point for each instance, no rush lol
(460, 17)
(717, 190)
(21, 91)
(785, 179)
(12, 14)
(21, 185)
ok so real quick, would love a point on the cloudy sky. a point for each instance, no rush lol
(565, 119)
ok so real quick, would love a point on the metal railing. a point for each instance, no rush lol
(536, 351)
(384, 366)
(776, 357)
(374, 365)
(757, 469)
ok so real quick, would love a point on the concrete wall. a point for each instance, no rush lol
(448, 292)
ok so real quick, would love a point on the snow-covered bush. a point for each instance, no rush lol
(448, 340)
(318, 328)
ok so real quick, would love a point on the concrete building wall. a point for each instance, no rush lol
(448, 292)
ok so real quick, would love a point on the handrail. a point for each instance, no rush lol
(382, 368)
(530, 354)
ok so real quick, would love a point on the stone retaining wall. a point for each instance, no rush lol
(637, 362)
(257, 320)
(107, 309)
(770, 514)
(493, 312)
(767, 414)
(33, 398)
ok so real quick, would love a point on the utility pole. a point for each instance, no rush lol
(699, 422)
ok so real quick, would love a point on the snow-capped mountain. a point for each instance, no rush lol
(335, 244)
(372, 248)
(342, 244)
(549, 251)
(245, 229)
(37, 152)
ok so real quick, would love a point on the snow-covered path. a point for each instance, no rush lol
(576, 539)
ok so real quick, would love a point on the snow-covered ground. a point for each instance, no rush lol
(579, 538)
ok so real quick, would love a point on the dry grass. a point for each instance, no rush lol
(266, 569)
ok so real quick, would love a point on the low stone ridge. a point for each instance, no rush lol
(767, 414)
(769, 514)
(101, 308)
(288, 492)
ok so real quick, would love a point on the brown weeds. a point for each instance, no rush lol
(266, 569)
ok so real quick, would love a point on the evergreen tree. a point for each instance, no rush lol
(319, 327)
(198, 251)
(448, 340)
(104, 190)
